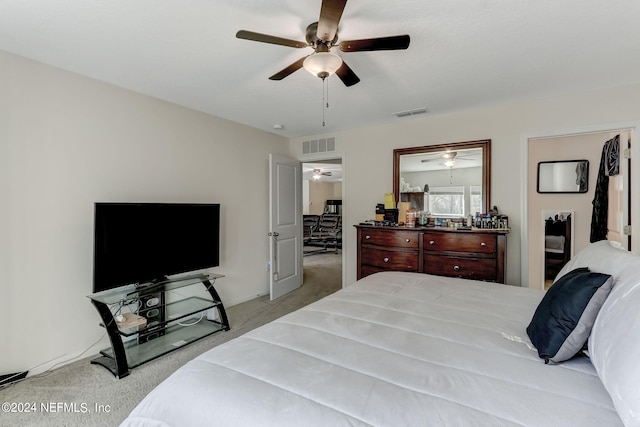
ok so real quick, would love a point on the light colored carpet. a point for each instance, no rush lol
(82, 394)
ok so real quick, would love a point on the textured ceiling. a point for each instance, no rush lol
(463, 54)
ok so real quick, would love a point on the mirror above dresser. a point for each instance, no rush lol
(462, 167)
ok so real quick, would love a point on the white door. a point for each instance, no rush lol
(285, 225)
(619, 197)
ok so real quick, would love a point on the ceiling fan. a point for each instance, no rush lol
(450, 156)
(317, 173)
(321, 36)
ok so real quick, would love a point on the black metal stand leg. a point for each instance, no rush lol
(214, 294)
(118, 364)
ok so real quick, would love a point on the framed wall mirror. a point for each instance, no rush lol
(453, 179)
(563, 176)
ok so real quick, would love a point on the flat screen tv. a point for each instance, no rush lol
(139, 243)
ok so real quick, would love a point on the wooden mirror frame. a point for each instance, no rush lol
(485, 144)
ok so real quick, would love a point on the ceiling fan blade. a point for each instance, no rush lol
(288, 70)
(330, 14)
(381, 43)
(265, 38)
(347, 75)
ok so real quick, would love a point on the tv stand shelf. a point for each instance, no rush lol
(169, 324)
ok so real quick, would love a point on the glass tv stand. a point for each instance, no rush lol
(158, 319)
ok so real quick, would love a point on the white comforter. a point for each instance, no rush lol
(394, 349)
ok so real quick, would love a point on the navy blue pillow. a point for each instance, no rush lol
(563, 320)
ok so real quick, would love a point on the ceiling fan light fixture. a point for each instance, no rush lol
(322, 64)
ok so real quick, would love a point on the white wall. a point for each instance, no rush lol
(67, 142)
(506, 125)
(5, 226)
(319, 192)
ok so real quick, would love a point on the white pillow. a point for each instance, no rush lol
(600, 257)
(614, 343)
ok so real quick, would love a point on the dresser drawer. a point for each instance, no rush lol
(469, 254)
(396, 260)
(400, 239)
(467, 268)
(460, 242)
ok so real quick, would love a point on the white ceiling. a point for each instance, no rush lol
(463, 54)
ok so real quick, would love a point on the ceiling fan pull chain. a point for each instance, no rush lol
(327, 92)
(323, 101)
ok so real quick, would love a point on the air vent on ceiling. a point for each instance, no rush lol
(323, 145)
(411, 112)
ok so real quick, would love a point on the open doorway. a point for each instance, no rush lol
(558, 222)
(322, 220)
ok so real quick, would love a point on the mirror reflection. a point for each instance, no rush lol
(570, 176)
(446, 180)
(558, 242)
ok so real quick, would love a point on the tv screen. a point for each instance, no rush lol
(136, 243)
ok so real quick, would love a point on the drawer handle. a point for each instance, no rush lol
(483, 244)
(432, 242)
(386, 259)
(407, 240)
(456, 268)
(367, 237)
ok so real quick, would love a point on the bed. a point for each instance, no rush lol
(403, 349)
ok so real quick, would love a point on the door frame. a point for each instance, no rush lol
(634, 202)
(333, 155)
